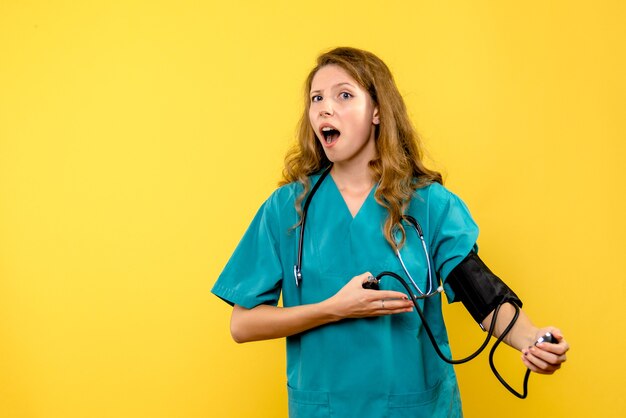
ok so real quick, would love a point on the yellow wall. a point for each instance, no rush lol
(137, 141)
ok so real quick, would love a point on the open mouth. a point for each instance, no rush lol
(330, 134)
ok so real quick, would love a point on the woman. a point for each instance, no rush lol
(352, 351)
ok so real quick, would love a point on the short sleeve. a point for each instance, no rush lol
(253, 275)
(454, 236)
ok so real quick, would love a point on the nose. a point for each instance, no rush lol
(326, 109)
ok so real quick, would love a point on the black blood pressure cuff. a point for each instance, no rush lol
(478, 288)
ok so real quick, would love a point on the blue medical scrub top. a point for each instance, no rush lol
(372, 367)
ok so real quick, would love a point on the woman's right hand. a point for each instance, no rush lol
(264, 322)
(353, 301)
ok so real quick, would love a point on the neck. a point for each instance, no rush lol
(352, 176)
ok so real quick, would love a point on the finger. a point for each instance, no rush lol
(390, 294)
(363, 276)
(556, 333)
(394, 304)
(384, 312)
(531, 366)
(394, 311)
(538, 365)
(547, 356)
(534, 368)
(560, 349)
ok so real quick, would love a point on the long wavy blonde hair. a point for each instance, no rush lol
(398, 169)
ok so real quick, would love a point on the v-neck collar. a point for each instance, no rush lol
(343, 201)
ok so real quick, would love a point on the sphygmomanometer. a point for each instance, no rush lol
(473, 284)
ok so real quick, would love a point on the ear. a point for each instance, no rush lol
(376, 117)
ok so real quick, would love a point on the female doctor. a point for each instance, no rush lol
(351, 351)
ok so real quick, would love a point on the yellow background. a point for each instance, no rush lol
(137, 140)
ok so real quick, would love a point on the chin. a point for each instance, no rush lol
(330, 157)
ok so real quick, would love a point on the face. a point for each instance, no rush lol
(343, 116)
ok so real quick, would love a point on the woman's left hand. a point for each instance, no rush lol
(546, 358)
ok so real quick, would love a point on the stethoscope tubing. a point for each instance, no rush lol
(427, 327)
(418, 230)
(480, 349)
(297, 269)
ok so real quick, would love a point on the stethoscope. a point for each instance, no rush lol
(297, 272)
(431, 282)
(411, 221)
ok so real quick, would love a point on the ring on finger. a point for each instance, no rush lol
(383, 303)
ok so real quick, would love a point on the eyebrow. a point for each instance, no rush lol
(335, 86)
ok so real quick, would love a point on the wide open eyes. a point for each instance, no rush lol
(344, 95)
